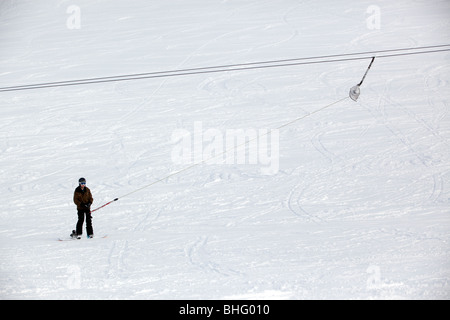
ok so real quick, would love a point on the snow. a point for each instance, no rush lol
(357, 209)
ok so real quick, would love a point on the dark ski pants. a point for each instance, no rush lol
(81, 214)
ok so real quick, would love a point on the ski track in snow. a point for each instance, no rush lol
(357, 210)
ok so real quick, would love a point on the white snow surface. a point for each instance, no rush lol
(358, 208)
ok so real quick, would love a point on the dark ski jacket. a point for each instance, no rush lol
(82, 197)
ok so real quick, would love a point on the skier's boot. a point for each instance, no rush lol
(74, 235)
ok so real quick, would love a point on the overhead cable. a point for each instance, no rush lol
(239, 67)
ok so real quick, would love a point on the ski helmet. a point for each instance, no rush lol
(81, 180)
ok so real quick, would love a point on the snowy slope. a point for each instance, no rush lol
(357, 208)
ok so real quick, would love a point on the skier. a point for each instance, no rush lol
(82, 197)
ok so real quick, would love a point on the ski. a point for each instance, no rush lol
(73, 239)
(69, 239)
(102, 237)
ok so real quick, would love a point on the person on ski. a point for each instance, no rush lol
(82, 197)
